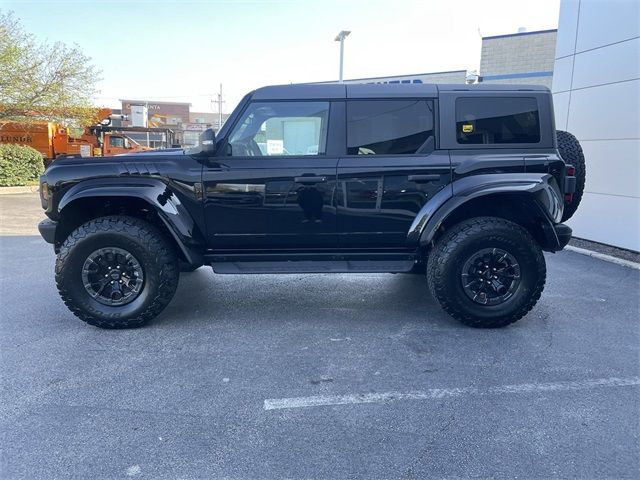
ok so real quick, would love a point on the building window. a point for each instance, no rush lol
(389, 127)
(490, 120)
(281, 128)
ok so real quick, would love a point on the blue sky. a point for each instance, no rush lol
(182, 50)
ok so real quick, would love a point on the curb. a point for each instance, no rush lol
(603, 256)
(16, 190)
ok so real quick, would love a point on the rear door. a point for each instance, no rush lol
(391, 169)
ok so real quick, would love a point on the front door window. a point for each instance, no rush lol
(281, 129)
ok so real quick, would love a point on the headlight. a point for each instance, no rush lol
(45, 194)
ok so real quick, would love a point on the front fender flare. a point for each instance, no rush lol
(542, 188)
(166, 203)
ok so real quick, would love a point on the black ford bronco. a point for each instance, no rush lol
(468, 184)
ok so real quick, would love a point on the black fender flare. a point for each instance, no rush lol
(158, 195)
(541, 188)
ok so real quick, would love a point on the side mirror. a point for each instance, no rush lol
(208, 142)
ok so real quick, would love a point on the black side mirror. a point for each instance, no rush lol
(208, 141)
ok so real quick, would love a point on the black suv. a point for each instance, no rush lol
(466, 183)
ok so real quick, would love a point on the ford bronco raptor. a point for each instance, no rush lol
(466, 183)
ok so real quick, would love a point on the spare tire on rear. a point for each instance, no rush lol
(571, 152)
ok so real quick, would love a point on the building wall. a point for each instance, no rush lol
(454, 76)
(596, 89)
(161, 115)
(519, 58)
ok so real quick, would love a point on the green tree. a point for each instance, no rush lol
(40, 81)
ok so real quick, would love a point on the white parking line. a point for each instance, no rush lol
(385, 397)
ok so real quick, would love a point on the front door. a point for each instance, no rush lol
(273, 184)
(391, 169)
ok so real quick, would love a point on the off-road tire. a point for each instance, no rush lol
(146, 243)
(571, 152)
(446, 260)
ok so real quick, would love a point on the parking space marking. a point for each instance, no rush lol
(433, 393)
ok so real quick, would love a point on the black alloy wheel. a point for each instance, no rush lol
(112, 276)
(490, 276)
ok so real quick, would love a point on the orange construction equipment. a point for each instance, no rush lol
(53, 140)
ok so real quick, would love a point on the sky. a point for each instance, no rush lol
(183, 50)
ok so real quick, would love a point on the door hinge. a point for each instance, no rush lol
(199, 191)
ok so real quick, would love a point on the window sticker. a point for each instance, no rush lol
(467, 128)
(275, 147)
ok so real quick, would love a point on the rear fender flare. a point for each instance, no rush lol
(542, 188)
(158, 196)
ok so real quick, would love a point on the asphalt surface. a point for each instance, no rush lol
(554, 395)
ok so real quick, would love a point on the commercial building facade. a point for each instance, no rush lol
(453, 76)
(596, 87)
(177, 116)
(519, 58)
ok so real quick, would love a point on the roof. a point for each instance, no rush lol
(151, 102)
(520, 34)
(332, 91)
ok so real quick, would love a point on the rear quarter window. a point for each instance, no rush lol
(497, 120)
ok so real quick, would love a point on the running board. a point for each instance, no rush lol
(316, 266)
(328, 263)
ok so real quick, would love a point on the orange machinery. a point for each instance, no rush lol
(53, 140)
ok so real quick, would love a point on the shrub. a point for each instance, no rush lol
(19, 165)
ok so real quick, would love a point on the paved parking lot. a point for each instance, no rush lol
(319, 376)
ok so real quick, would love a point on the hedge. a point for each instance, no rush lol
(19, 165)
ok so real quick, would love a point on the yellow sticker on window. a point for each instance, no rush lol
(467, 128)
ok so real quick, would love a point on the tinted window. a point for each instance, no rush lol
(381, 127)
(497, 120)
(281, 128)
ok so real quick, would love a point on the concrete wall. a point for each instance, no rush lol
(596, 87)
(519, 58)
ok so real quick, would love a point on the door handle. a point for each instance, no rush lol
(424, 178)
(310, 180)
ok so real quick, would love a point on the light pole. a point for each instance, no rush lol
(340, 38)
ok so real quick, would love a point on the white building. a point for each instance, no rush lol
(596, 86)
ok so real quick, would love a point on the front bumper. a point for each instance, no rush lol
(47, 229)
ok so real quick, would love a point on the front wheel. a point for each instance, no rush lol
(486, 272)
(116, 272)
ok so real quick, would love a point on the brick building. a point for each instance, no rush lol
(519, 58)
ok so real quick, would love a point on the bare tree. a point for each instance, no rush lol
(41, 81)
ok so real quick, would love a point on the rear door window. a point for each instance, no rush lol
(389, 127)
(497, 120)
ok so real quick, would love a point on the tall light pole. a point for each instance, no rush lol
(340, 38)
(220, 102)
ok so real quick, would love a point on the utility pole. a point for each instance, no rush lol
(340, 38)
(220, 102)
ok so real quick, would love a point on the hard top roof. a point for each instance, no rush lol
(304, 91)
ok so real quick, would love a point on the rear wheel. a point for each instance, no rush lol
(571, 152)
(116, 272)
(486, 272)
